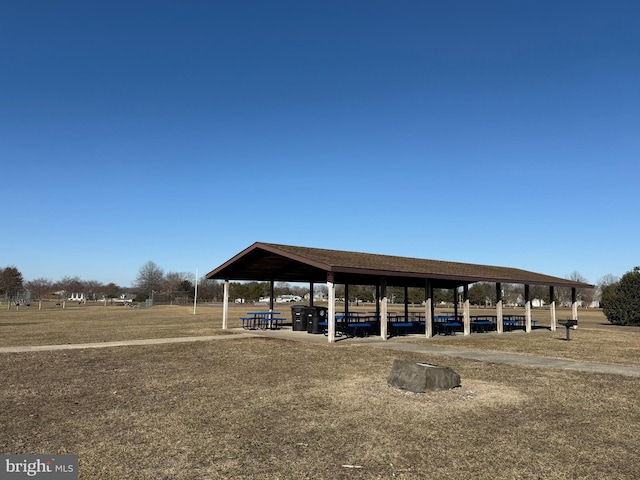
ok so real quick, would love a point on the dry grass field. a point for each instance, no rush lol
(92, 323)
(272, 408)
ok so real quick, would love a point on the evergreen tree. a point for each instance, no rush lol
(621, 301)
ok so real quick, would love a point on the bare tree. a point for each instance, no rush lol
(69, 285)
(173, 284)
(541, 292)
(584, 295)
(93, 289)
(210, 289)
(512, 293)
(39, 287)
(150, 278)
(607, 280)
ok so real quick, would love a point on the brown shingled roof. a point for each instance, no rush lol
(269, 261)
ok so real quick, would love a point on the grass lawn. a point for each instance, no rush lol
(92, 323)
(272, 408)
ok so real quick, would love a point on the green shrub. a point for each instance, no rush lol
(621, 301)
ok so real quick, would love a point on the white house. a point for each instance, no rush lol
(537, 303)
(76, 297)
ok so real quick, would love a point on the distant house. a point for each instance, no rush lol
(596, 301)
(126, 298)
(76, 297)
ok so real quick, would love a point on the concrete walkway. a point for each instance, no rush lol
(401, 345)
(513, 359)
(122, 343)
(373, 342)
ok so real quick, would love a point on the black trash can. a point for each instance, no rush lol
(315, 315)
(299, 318)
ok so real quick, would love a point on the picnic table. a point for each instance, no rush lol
(511, 321)
(399, 324)
(263, 320)
(483, 323)
(354, 324)
(446, 324)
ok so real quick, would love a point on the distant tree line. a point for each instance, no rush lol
(620, 297)
(12, 284)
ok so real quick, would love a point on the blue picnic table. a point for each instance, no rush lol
(263, 320)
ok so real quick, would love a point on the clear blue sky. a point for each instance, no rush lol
(493, 132)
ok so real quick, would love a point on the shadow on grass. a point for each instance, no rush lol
(607, 324)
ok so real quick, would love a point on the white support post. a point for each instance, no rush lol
(527, 309)
(428, 310)
(383, 309)
(195, 294)
(552, 308)
(331, 311)
(225, 304)
(574, 304)
(499, 318)
(466, 314)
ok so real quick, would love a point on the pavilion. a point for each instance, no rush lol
(285, 263)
